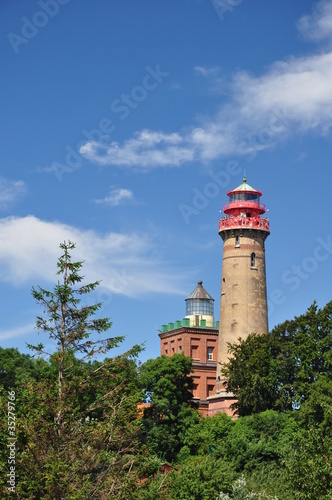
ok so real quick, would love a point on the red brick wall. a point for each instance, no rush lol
(194, 342)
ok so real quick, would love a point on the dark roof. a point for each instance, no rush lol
(199, 292)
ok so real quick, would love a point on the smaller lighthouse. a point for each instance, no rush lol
(199, 307)
(196, 336)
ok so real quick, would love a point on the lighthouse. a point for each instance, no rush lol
(243, 300)
(196, 335)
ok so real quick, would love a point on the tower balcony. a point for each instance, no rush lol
(244, 205)
(246, 222)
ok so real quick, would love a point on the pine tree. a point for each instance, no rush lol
(78, 435)
(68, 323)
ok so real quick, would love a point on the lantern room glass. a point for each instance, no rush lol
(244, 197)
(199, 306)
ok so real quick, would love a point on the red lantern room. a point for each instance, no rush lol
(244, 209)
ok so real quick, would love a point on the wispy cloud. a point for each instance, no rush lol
(127, 263)
(207, 72)
(145, 150)
(10, 191)
(116, 197)
(317, 26)
(292, 97)
(19, 331)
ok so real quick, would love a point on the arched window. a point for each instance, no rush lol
(223, 286)
(252, 260)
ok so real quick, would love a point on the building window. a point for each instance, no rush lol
(194, 352)
(210, 390)
(210, 353)
(180, 348)
(237, 241)
(197, 320)
(253, 260)
(166, 351)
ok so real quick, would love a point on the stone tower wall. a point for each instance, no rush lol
(243, 301)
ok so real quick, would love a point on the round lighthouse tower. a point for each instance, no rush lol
(243, 302)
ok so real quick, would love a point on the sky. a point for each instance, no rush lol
(124, 124)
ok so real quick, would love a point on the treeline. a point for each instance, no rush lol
(80, 431)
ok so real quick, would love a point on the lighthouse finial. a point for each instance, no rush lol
(244, 177)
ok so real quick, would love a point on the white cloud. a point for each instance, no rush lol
(146, 149)
(317, 26)
(10, 191)
(292, 97)
(116, 197)
(201, 70)
(19, 331)
(127, 264)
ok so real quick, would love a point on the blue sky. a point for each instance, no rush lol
(123, 124)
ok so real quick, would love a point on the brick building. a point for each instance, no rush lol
(243, 301)
(197, 337)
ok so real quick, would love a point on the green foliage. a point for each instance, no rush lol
(167, 381)
(17, 368)
(77, 432)
(67, 322)
(207, 434)
(317, 409)
(308, 464)
(90, 455)
(253, 441)
(201, 479)
(167, 385)
(276, 370)
(197, 479)
(240, 492)
(80, 435)
(253, 374)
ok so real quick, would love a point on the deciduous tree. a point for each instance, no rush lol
(167, 385)
(277, 370)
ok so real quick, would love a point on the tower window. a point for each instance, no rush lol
(237, 241)
(253, 260)
(223, 286)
